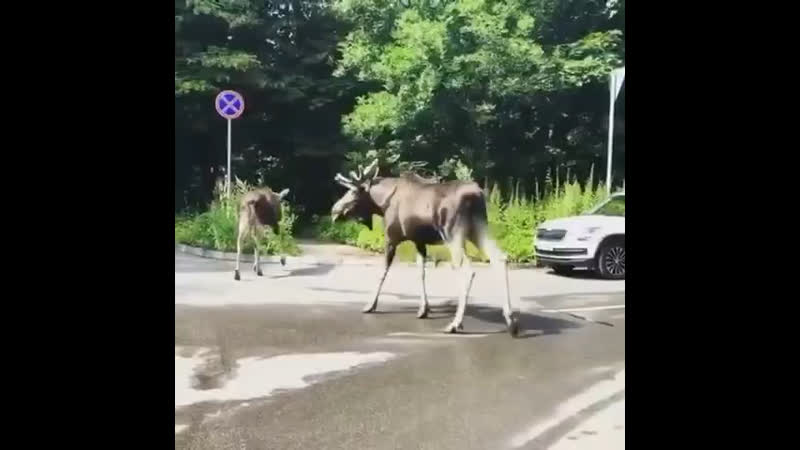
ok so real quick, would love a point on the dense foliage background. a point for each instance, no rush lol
(512, 93)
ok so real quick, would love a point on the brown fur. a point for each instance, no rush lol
(425, 212)
(428, 212)
(258, 209)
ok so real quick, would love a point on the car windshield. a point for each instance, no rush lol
(612, 207)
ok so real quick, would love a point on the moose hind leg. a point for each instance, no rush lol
(423, 310)
(276, 231)
(256, 264)
(499, 262)
(373, 303)
(239, 236)
(457, 253)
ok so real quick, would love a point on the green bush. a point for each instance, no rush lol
(372, 238)
(217, 228)
(513, 220)
(343, 231)
(513, 224)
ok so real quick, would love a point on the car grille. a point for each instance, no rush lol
(562, 252)
(550, 235)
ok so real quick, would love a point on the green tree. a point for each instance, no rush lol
(496, 83)
(464, 88)
(280, 56)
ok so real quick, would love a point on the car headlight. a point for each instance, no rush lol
(588, 232)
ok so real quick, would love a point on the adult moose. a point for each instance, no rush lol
(424, 212)
(258, 209)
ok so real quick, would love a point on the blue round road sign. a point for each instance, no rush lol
(229, 104)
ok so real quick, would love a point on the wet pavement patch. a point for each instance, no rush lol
(254, 377)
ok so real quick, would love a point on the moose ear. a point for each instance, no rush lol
(283, 193)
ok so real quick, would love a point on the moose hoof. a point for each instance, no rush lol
(369, 308)
(283, 260)
(422, 313)
(236, 275)
(453, 328)
(513, 327)
(259, 272)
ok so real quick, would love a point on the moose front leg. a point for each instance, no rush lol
(373, 303)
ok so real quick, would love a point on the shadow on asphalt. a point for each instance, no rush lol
(321, 269)
(202, 265)
(188, 264)
(394, 294)
(579, 275)
(531, 325)
(540, 298)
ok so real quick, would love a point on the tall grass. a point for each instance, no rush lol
(513, 218)
(217, 228)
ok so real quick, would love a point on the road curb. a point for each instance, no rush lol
(376, 260)
(248, 257)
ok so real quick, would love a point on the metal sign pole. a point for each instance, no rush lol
(228, 173)
(610, 133)
(229, 105)
(615, 80)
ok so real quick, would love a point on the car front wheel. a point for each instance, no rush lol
(611, 259)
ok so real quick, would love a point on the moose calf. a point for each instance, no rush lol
(258, 209)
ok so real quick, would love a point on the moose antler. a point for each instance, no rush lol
(374, 165)
(344, 181)
(358, 177)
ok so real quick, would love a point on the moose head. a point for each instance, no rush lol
(364, 196)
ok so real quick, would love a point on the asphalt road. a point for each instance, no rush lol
(288, 361)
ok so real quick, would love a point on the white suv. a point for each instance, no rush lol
(594, 240)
